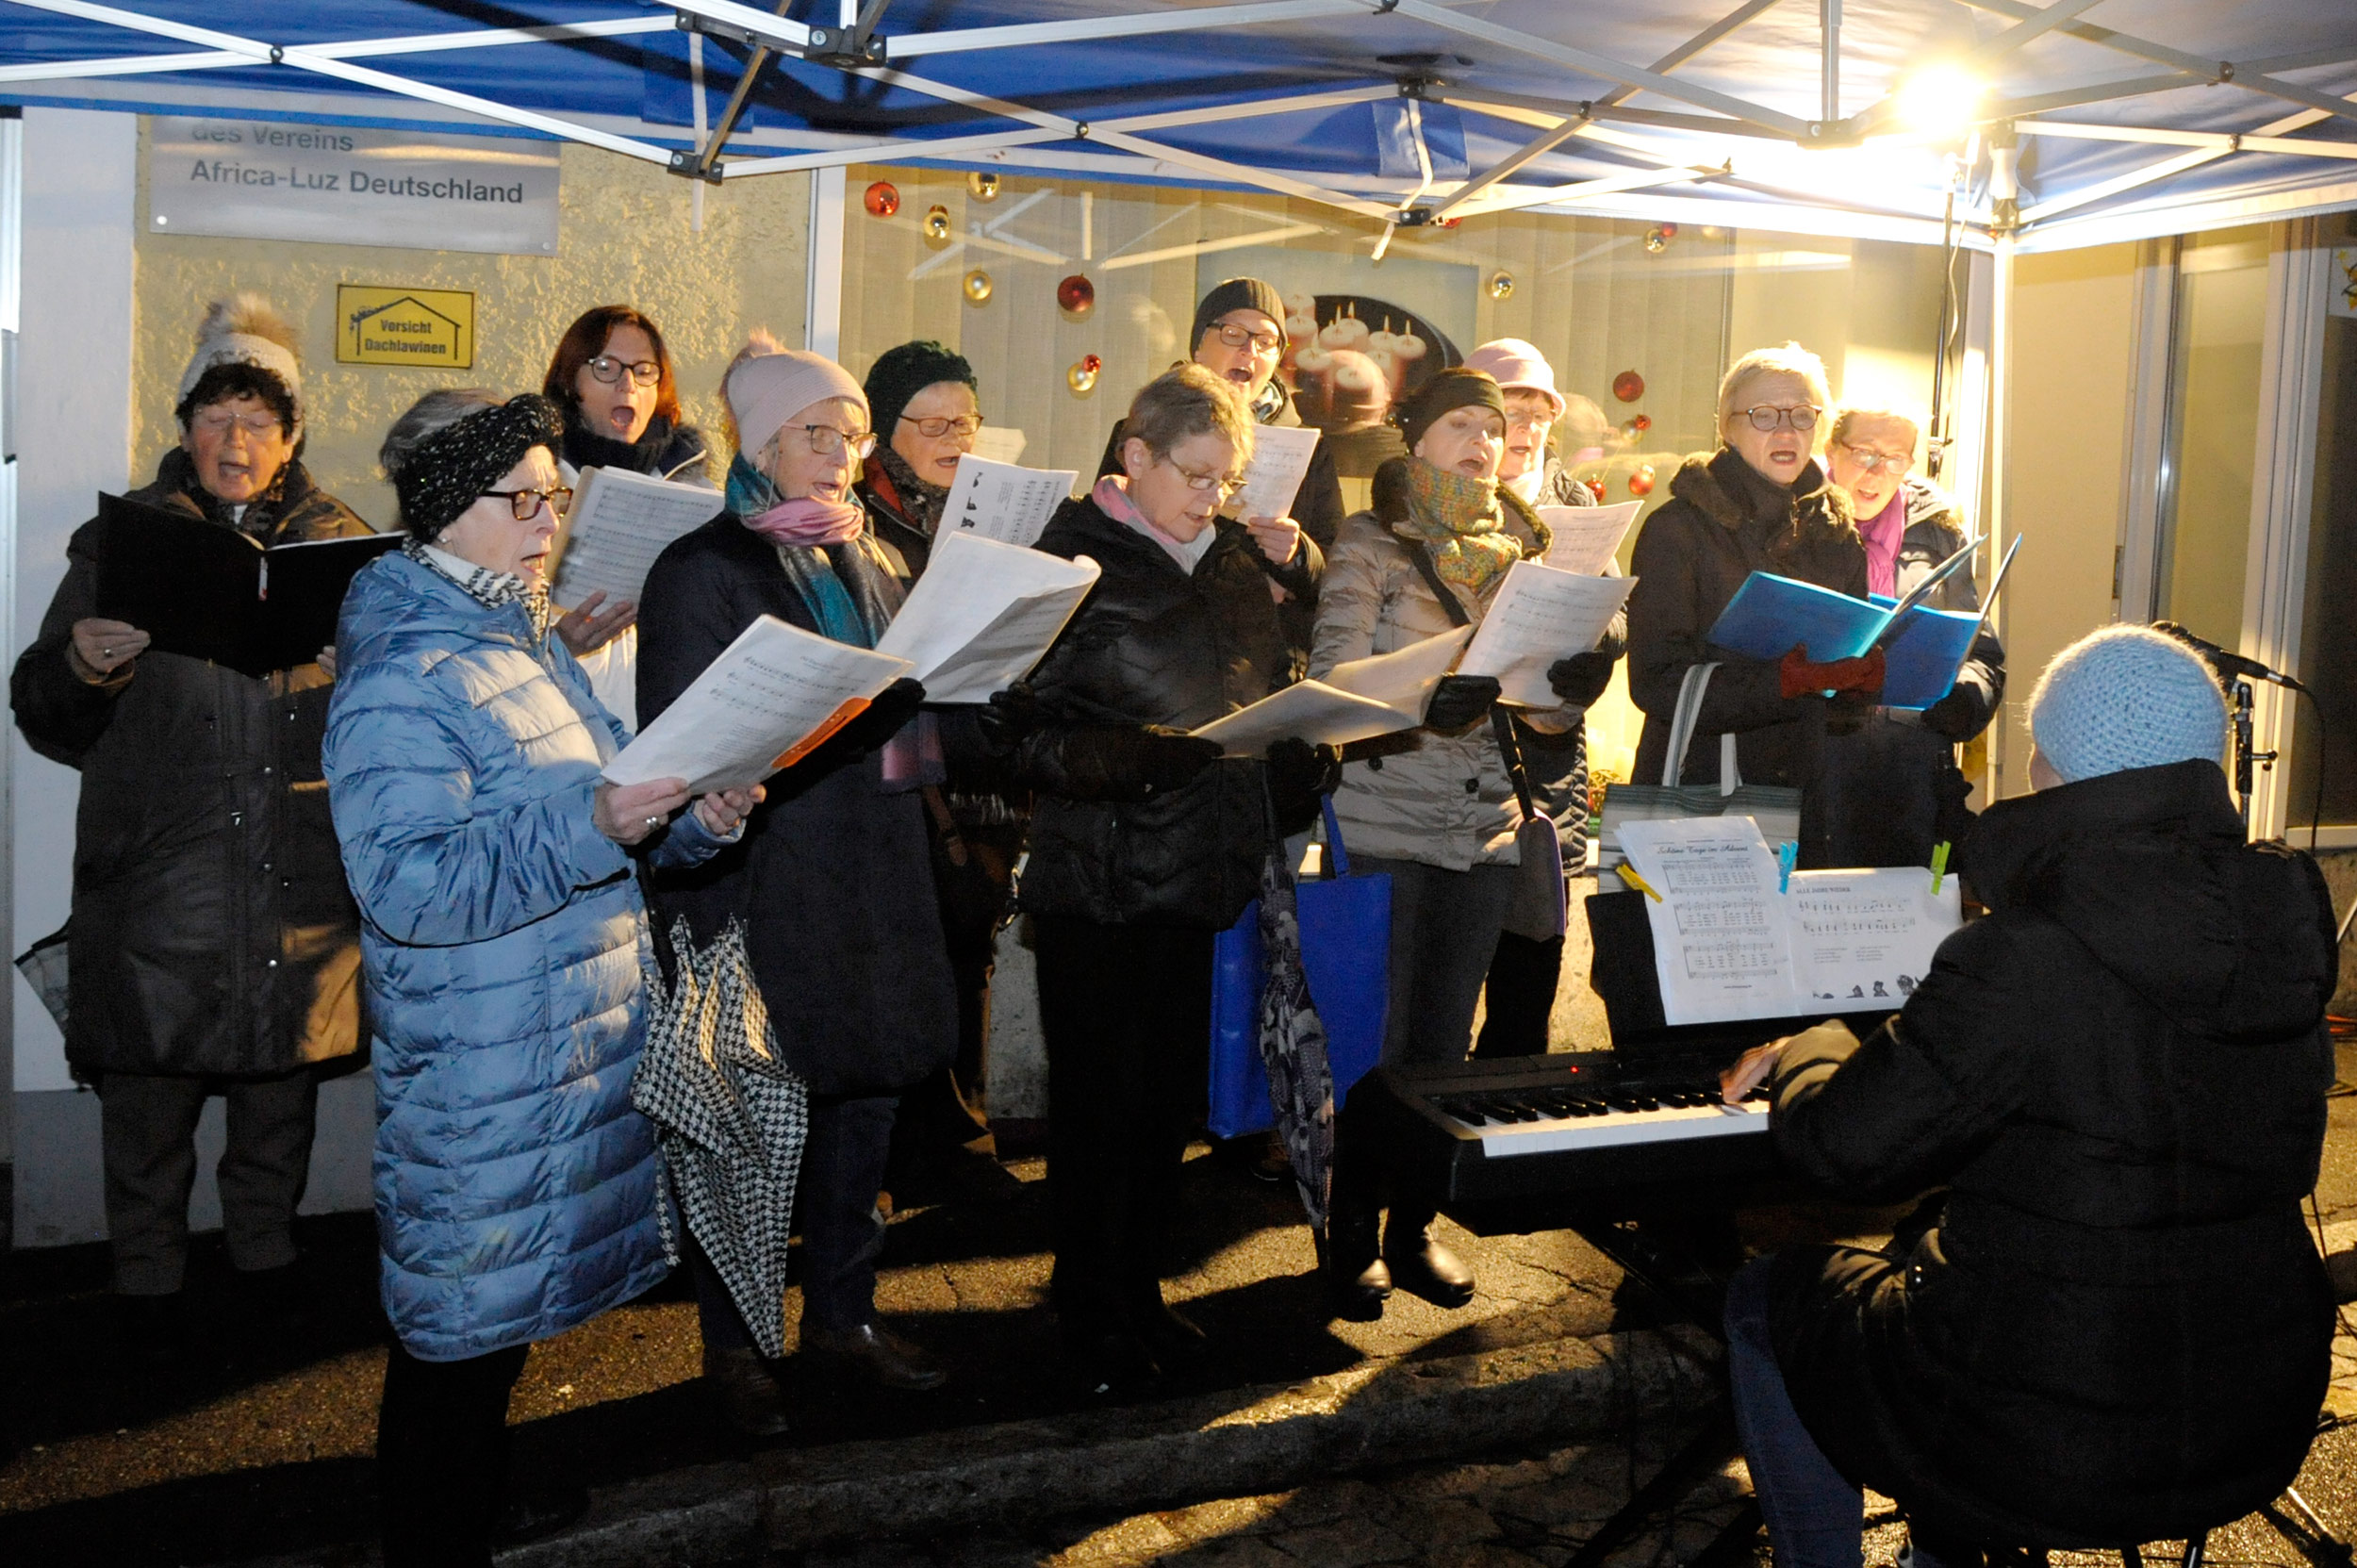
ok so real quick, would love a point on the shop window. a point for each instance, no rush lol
(2328, 636)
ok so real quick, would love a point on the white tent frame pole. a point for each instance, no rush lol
(1547, 141)
(1598, 65)
(1136, 24)
(2166, 167)
(305, 60)
(1999, 439)
(822, 327)
(908, 149)
(1585, 190)
(2223, 71)
(415, 43)
(1829, 62)
(2222, 141)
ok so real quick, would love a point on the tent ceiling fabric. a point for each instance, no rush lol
(2133, 117)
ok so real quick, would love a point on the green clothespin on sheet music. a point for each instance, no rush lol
(1939, 866)
(1788, 856)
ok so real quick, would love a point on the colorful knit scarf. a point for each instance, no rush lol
(1458, 518)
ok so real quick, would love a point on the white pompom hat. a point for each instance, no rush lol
(245, 329)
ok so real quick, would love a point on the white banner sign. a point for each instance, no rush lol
(342, 185)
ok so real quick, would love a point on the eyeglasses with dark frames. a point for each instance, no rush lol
(605, 368)
(1767, 416)
(1237, 336)
(526, 504)
(935, 429)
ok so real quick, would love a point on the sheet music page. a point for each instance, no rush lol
(1540, 615)
(1863, 939)
(1002, 501)
(1307, 710)
(1722, 946)
(618, 523)
(771, 695)
(1281, 459)
(1000, 444)
(1586, 537)
(1403, 678)
(982, 614)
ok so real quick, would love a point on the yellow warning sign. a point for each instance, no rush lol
(379, 325)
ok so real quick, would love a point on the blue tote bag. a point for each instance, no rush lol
(1346, 949)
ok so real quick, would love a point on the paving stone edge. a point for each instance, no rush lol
(1242, 1442)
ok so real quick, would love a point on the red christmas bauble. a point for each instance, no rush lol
(1595, 487)
(1628, 386)
(1643, 421)
(1640, 480)
(1089, 362)
(1075, 296)
(882, 199)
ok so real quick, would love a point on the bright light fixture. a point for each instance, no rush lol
(1941, 100)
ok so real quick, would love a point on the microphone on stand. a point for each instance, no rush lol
(2229, 666)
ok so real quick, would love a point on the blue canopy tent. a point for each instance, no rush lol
(1773, 114)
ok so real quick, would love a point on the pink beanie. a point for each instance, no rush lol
(1516, 366)
(767, 385)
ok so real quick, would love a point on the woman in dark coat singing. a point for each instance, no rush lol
(832, 881)
(1760, 503)
(2117, 1330)
(1145, 845)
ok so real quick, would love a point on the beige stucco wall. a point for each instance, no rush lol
(626, 234)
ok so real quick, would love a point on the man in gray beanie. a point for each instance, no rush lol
(2111, 1325)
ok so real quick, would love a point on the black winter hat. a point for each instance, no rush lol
(1453, 387)
(902, 372)
(1237, 293)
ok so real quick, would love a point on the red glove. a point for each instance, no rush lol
(1797, 677)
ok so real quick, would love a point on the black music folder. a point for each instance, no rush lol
(208, 592)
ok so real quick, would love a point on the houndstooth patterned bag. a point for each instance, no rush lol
(731, 1118)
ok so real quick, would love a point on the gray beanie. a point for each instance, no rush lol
(1238, 294)
(2126, 697)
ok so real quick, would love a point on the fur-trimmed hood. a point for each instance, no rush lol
(1723, 487)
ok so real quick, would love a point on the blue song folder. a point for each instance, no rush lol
(1923, 648)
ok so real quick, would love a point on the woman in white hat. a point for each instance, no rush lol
(214, 947)
(832, 879)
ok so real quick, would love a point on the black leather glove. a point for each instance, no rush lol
(1133, 762)
(1007, 717)
(1581, 679)
(1297, 770)
(1460, 701)
(1955, 716)
(879, 722)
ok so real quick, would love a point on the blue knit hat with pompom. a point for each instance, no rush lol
(2126, 697)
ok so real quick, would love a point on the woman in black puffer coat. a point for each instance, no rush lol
(2117, 1330)
(1144, 845)
(1761, 503)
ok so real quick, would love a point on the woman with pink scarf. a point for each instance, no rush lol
(831, 879)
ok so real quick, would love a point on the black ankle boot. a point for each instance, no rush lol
(749, 1397)
(1422, 1266)
(1358, 1281)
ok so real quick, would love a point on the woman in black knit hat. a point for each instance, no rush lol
(921, 397)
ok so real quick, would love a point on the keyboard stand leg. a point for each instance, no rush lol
(1707, 1451)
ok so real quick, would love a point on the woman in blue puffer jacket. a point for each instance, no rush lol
(505, 946)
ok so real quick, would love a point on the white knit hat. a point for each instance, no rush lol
(767, 385)
(244, 329)
(2126, 697)
(1516, 366)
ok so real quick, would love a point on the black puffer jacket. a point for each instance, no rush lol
(675, 452)
(212, 932)
(1155, 645)
(833, 877)
(2120, 1330)
(1723, 522)
(1891, 788)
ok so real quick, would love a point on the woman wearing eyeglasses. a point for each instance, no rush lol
(214, 948)
(611, 376)
(927, 414)
(832, 881)
(1892, 788)
(504, 949)
(1761, 503)
(1145, 845)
